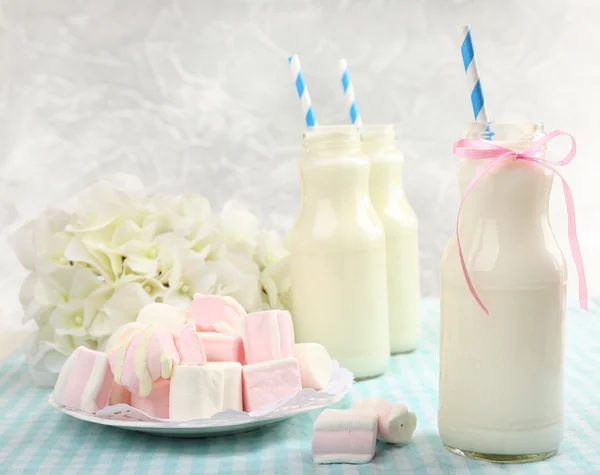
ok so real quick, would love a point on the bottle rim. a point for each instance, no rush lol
(375, 131)
(505, 131)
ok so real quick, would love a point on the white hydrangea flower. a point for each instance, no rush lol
(190, 275)
(238, 276)
(48, 354)
(239, 227)
(114, 249)
(91, 251)
(269, 249)
(40, 244)
(105, 202)
(41, 293)
(120, 305)
(180, 214)
(276, 281)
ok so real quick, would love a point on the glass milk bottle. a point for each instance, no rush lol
(338, 255)
(501, 375)
(401, 235)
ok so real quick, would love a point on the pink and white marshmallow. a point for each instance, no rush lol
(123, 333)
(315, 365)
(396, 424)
(196, 392)
(143, 359)
(344, 436)
(119, 395)
(232, 384)
(268, 382)
(156, 404)
(189, 345)
(268, 336)
(223, 347)
(85, 381)
(208, 310)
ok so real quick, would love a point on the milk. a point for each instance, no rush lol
(501, 376)
(338, 255)
(400, 225)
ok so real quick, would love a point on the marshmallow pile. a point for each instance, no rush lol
(188, 364)
(350, 436)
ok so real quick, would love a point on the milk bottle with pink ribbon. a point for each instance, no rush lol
(503, 299)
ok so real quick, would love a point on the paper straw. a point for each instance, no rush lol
(349, 93)
(307, 109)
(473, 79)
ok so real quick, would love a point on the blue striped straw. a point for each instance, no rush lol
(472, 71)
(309, 114)
(349, 93)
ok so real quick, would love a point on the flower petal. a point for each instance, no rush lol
(125, 304)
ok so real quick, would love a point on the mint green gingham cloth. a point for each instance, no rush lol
(36, 438)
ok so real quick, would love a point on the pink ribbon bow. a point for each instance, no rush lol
(479, 149)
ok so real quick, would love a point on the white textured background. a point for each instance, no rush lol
(196, 95)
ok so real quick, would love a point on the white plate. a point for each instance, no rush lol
(169, 430)
(224, 423)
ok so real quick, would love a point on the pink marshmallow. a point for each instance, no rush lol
(222, 327)
(162, 353)
(344, 436)
(119, 395)
(268, 336)
(157, 403)
(222, 347)
(85, 381)
(268, 382)
(150, 355)
(189, 346)
(207, 310)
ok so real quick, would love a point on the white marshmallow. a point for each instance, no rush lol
(196, 392)
(396, 424)
(232, 390)
(315, 365)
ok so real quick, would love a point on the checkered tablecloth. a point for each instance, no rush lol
(35, 438)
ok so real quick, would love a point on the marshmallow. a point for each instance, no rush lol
(268, 382)
(344, 436)
(396, 424)
(189, 346)
(162, 314)
(143, 359)
(119, 395)
(232, 384)
(268, 336)
(209, 309)
(223, 327)
(222, 347)
(314, 363)
(123, 333)
(85, 381)
(157, 402)
(196, 392)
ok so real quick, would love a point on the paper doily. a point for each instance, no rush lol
(302, 401)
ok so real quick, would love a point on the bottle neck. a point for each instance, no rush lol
(379, 146)
(378, 139)
(338, 180)
(331, 142)
(512, 200)
(333, 166)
